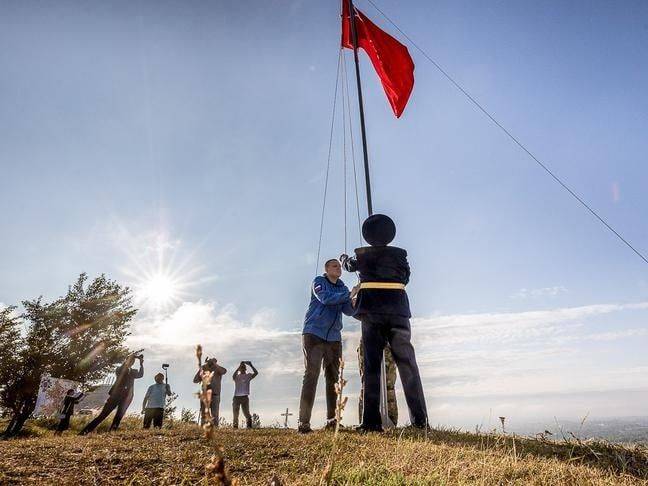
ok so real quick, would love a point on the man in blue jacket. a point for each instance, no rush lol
(322, 340)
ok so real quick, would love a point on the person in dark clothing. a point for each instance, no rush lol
(383, 308)
(211, 366)
(154, 402)
(120, 394)
(67, 409)
(322, 341)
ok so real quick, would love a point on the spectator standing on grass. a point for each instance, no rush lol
(154, 401)
(72, 397)
(120, 394)
(241, 398)
(211, 366)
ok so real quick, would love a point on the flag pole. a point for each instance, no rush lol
(354, 38)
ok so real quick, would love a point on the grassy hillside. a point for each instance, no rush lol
(181, 455)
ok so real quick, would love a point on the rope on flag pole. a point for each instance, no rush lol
(328, 162)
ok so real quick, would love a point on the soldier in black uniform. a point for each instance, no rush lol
(383, 309)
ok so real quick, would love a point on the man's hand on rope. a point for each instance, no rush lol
(354, 293)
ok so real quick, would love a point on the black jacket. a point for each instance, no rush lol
(381, 264)
(68, 404)
(125, 380)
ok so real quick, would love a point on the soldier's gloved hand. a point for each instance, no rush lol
(343, 258)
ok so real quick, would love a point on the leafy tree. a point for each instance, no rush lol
(9, 342)
(79, 337)
(188, 416)
(169, 407)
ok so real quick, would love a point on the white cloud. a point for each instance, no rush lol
(525, 293)
(529, 352)
(505, 327)
(218, 328)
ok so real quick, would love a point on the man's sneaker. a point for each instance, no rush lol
(304, 429)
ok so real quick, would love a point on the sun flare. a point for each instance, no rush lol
(161, 273)
(159, 291)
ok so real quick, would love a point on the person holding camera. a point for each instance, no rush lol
(241, 398)
(154, 401)
(216, 371)
(120, 394)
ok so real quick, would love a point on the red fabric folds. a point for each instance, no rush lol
(390, 58)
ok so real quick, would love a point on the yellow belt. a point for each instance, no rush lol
(382, 285)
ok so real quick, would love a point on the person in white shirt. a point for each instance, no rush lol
(242, 393)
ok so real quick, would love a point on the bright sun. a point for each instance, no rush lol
(160, 276)
(158, 291)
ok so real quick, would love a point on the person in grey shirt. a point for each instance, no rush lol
(154, 401)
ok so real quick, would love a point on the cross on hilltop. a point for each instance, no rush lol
(286, 415)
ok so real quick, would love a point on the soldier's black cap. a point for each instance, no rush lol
(378, 230)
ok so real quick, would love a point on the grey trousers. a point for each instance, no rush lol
(319, 353)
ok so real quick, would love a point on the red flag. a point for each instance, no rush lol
(390, 58)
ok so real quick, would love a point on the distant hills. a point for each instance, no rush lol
(628, 430)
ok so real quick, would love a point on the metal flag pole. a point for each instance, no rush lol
(354, 38)
(387, 423)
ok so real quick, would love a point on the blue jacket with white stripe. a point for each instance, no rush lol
(324, 315)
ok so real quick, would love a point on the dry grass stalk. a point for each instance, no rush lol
(275, 480)
(327, 474)
(215, 468)
(217, 473)
(205, 394)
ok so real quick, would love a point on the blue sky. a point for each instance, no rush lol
(197, 133)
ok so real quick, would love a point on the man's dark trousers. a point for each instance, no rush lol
(377, 330)
(155, 415)
(121, 402)
(318, 353)
(64, 424)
